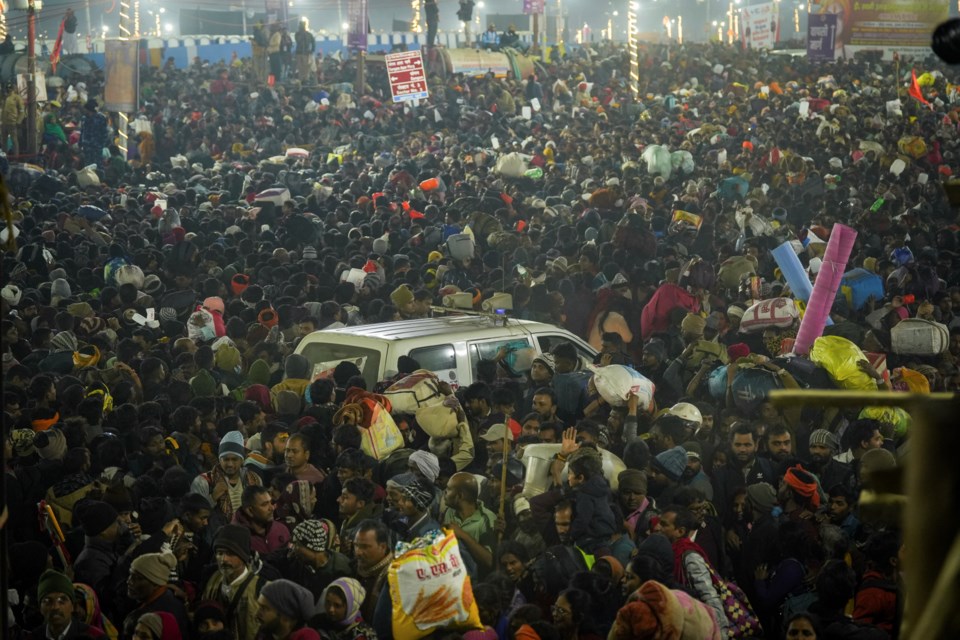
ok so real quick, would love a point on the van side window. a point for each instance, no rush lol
(439, 357)
(549, 342)
(515, 359)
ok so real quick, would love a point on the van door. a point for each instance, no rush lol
(442, 359)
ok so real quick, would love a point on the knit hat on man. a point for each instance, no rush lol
(96, 517)
(547, 360)
(53, 581)
(762, 497)
(824, 438)
(671, 462)
(313, 534)
(155, 567)
(289, 599)
(234, 538)
(231, 444)
(632, 480)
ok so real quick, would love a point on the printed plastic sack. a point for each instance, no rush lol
(751, 387)
(616, 382)
(415, 391)
(840, 358)
(430, 588)
(370, 413)
(774, 313)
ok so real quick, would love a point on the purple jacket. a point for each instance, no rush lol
(277, 536)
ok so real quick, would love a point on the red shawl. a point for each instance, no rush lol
(680, 547)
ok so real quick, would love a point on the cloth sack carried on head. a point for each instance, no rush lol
(411, 393)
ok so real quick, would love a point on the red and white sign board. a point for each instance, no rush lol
(407, 78)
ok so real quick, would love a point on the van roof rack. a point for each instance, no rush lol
(500, 316)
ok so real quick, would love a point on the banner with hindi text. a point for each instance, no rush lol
(895, 25)
(821, 36)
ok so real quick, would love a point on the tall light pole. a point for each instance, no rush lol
(632, 47)
(125, 34)
(32, 78)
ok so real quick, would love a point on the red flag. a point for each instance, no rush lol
(55, 56)
(915, 89)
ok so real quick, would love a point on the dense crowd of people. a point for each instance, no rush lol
(197, 482)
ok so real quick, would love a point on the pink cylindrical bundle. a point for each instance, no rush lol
(840, 244)
(826, 286)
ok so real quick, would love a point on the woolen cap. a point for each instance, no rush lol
(54, 582)
(234, 538)
(96, 517)
(290, 599)
(155, 567)
(824, 438)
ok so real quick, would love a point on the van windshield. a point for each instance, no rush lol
(325, 356)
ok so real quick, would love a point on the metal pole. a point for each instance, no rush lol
(86, 7)
(243, 12)
(361, 74)
(31, 80)
(122, 118)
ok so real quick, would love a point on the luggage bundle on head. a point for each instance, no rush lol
(841, 359)
(616, 383)
(918, 337)
(441, 420)
(370, 413)
(461, 246)
(511, 165)
(751, 387)
(774, 313)
(430, 588)
(858, 285)
(422, 388)
(88, 177)
(734, 268)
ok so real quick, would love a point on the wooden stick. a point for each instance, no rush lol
(503, 474)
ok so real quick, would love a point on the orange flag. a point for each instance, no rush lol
(915, 89)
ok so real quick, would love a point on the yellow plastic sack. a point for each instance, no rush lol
(896, 416)
(839, 357)
(430, 588)
(912, 146)
(910, 380)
